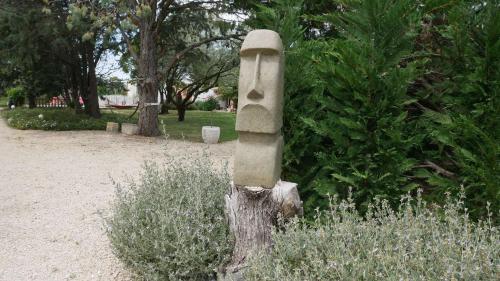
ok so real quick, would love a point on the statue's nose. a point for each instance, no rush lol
(255, 92)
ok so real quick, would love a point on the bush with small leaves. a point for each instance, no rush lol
(416, 242)
(207, 105)
(16, 95)
(171, 224)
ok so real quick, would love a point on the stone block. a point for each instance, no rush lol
(112, 127)
(257, 161)
(130, 129)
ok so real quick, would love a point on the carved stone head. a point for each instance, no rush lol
(260, 88)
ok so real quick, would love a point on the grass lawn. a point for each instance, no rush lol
(66, 119)
(190, 128)
(3, 101)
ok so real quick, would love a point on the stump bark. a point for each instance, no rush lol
(252, 212)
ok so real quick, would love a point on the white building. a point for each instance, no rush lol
(130, 99)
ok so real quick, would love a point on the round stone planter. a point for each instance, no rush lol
(210, 134)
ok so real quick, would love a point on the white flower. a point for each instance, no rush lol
(12, 106)
(40, 116)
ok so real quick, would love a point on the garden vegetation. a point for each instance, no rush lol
(66, 119)
(16, 95)
(415, 242)
(387, 97)
(388, 105)
(57, 119)
(170, 225)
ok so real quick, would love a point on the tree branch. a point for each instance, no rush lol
(164, 7)
(193, 4)
(195, 92)
(127, 39)
(182, 53)
(437, 168)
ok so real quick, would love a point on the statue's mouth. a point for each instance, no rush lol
(255, 118)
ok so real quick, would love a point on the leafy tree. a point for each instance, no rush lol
(228, 86)
(150, 27)
(192, 77)
(54, 47)
(110, 86)
(90, 23)
(26, 50)
(259, 13)
(8, 74)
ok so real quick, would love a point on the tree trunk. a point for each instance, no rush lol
(75, 98)
(164, 108)
(83, 87)
(147, 84)
(252, 213)
(91, 99)
(163, 103)
(181, 112)
(73, 79)
(31, 100)
(67, 96)
(92, 107)
(74, 90)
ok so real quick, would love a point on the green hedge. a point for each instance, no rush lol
(58, 119)
(404, 96)
(207, 105)
(16, 95)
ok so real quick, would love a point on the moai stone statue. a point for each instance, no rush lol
(260, 110)
(258, 196)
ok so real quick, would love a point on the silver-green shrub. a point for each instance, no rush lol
(417, 242)
(170, 225)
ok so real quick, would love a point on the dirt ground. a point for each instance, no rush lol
(55, 188)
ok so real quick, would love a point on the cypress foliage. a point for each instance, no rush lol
(461, 109)
(404, 96)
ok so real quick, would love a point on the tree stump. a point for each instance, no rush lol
(252, 213)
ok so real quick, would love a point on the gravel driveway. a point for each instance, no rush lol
(55, 188)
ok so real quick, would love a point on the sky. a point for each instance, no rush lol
(108, 66)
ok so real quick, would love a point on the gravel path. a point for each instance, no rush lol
(54, 188)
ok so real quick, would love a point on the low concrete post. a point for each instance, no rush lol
(130, 129)
(112, 127)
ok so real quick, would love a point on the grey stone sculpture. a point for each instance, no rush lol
(259, 116)
(258, 196)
